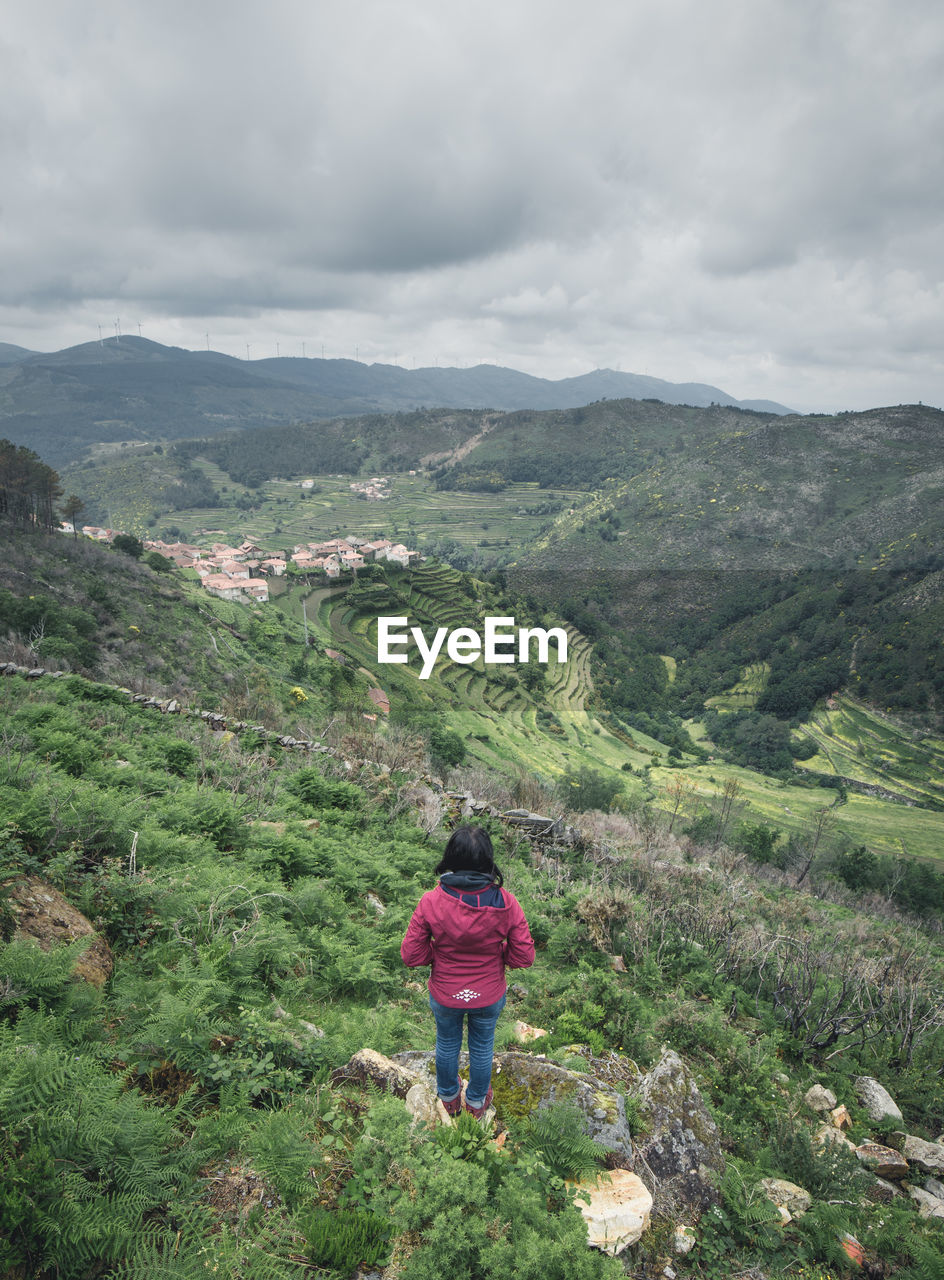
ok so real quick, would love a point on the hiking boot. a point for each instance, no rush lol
(453, 1106)
(479, 1112)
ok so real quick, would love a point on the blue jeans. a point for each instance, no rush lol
(481, 1046)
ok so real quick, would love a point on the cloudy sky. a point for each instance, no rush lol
(743, 192)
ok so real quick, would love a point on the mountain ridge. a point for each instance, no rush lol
(133, 389)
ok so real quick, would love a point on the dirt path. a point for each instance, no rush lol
(452, 456)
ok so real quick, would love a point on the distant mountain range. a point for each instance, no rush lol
(62, 403)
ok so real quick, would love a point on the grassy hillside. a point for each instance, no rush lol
(560, 725)
(85, 608)
(178, 1118)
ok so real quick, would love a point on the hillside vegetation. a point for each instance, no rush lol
(178, 1117)
(775, 493)
(78, 606)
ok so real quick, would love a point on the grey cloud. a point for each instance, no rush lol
(721, 192)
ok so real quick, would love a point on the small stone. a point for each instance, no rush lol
(423, 1104)
(935, 1186)
(840, 1117)
(819, 1098)
(524, 1033)
(683, 1240)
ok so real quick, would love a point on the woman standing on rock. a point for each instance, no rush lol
(470, 930)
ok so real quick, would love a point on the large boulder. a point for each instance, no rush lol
(883, 1161)
(878, 1102)
(681, 1146)
(44, 916)
(616, 1208)
(524, 1082)
(928, 1156)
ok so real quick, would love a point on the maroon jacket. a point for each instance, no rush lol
(468, 947)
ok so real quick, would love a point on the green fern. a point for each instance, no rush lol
(821, 1230)
(85, 1163)
(917, 1249)
(347, 1239)
(557, 1136)
(29, 973)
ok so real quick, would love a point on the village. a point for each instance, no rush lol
(242, 573)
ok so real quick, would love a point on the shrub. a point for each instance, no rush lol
(585, 788)
(446, 748)
(319, 792)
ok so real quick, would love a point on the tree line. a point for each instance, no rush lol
(29, 489)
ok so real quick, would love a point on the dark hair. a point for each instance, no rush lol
(470, 849)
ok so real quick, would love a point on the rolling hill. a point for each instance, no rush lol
(63, 403)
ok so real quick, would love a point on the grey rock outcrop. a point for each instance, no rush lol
(878, 1102)
(524, 1082)
(679, 1148)
(682, 1145)
(928, 1156)
(929, 1206)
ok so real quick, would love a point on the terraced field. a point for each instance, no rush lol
(743, 695)
(282, 513)
(886, 827)
(503, 724)
(545, 733)
(854, 741)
